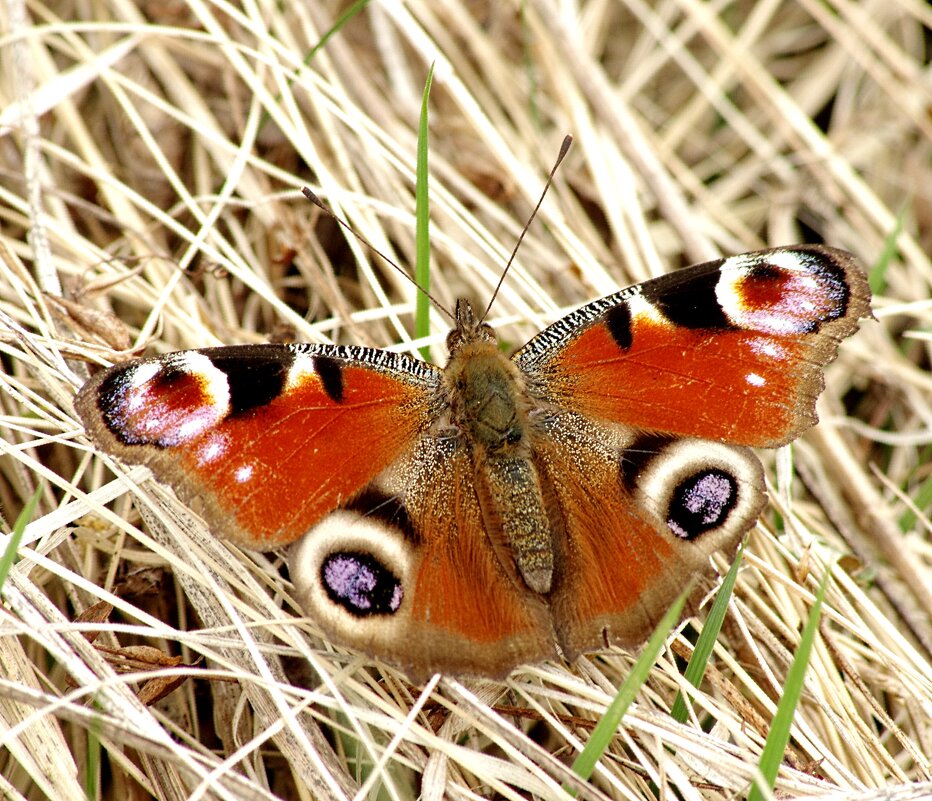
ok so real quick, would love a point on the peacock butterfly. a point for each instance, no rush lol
(499, 511)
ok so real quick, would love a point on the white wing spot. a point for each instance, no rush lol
(302, 369)
(138, 378)
(214, 448)
(641, 308)
(764, 346)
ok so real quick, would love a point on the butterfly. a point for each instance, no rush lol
(499, 511)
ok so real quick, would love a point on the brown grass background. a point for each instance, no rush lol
(150, 160)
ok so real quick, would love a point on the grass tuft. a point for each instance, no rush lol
(604, 732)
(702, 652)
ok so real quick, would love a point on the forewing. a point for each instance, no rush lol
(731, 350)
(262, 440)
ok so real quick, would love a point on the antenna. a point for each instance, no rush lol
(564, 149)
(310, 195)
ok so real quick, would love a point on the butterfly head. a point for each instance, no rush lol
(468, 328)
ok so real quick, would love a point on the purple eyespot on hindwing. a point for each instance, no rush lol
(701, 502)
(361, 584)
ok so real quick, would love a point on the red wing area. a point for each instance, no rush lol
(632, 539)
(734, 386)
(262, 440)
(731, 350)
(469, 611)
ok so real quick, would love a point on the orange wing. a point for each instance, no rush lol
(262, 440)
(731, 350)
(640, 514)
(408, 573)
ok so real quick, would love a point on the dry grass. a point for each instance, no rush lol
(151, 160)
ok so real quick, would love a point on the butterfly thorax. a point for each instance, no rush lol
(486, 398)
(489, 405)
(485, 389)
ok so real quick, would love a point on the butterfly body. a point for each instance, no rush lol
(500, 510)
(490, 412)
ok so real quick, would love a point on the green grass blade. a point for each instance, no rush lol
(8, 558)
(93, 757)
(605, 730)
(422, 224)
(922, 496)
(877, 277)
(775, 747)
(695, 670)
(345, 17)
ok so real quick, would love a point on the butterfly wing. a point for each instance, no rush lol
(408, 572)
(272, 442)
(731, 350)
(262, 440)
(640, 516)
(646, 401)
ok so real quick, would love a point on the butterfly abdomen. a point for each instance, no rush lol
(514, 500)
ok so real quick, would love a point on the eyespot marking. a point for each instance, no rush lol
(694, 489)
(360, 584)
(164, 404)
(782, 292)
(701, 502)
(353, 573)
